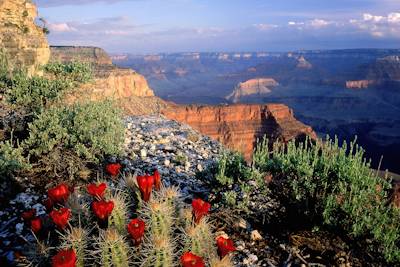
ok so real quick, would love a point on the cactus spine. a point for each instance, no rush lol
(76, 238)
(119, 216)
(113, 249)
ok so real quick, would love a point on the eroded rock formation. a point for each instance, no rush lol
(109, 81)
(24, 43)
(252, 88)
(361, 84)
(89, 54)
(240, 126)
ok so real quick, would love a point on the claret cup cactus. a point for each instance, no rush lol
(139, 223)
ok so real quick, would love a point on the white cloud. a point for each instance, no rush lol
(379, 26)
(61, 27)
(319, 23)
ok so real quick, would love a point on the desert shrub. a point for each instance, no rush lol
(34, 94)
(335, 184)
(11, 158)
(90, 130)
(229, 179)
(74, 71)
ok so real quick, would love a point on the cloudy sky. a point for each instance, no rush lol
(151, 26)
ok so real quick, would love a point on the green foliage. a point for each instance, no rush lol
(33, 94)
(11, 159)
(336, 182)
(232, 169)
(73, 71)
(90, 130)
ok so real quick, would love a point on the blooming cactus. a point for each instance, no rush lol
(59, 193)
(200, 209)
(113, 169)
(60, 217)
(36, 225)
(97, 190)
(145, 186)
(102, 209)
(189, 259)
(136, 229)
(64, 258)
(225, 246)
(157, 180)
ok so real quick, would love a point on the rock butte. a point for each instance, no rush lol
(23, 42)
(240, 126)
(251, 88)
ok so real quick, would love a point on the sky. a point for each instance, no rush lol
(156, 26)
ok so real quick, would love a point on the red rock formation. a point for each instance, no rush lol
(239, 126)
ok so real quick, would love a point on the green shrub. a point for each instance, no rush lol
(74, 71)
(34, 94)
(11, 159)
(335, 184)
(90, 130)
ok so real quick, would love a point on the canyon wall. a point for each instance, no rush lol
(109, 81)
(88, 54)
(240, 126)
(23, 42)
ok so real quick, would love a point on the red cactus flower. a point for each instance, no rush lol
(113, 169)
(59, 193)
(60, 217)
(136, 230)
(200, 208)
(189, 259)
(64, 258)
(28, 215)
(48, 203)
(157, 180)
(145, 186)
(225, 246)
(102, 209)
(36, 225)
(97, 190)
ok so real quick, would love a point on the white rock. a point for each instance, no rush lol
(255, 235)
(143, 153)
(187, 166)
(167, 162)
(251, 259)
(199, 167)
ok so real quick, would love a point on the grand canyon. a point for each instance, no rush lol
(214, 159)
(346, 93)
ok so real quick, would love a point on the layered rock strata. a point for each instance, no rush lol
(23, 42)
(241, 126)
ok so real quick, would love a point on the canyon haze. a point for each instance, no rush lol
(346, 93)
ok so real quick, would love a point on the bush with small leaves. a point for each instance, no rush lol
(90, 130)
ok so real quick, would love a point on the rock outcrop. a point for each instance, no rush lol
(24, 43)
(240, 126)
(109, 81)
(252, 88)
(303, 63)
(88, 54)
(361, 84)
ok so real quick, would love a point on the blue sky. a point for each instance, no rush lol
(151, 26)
